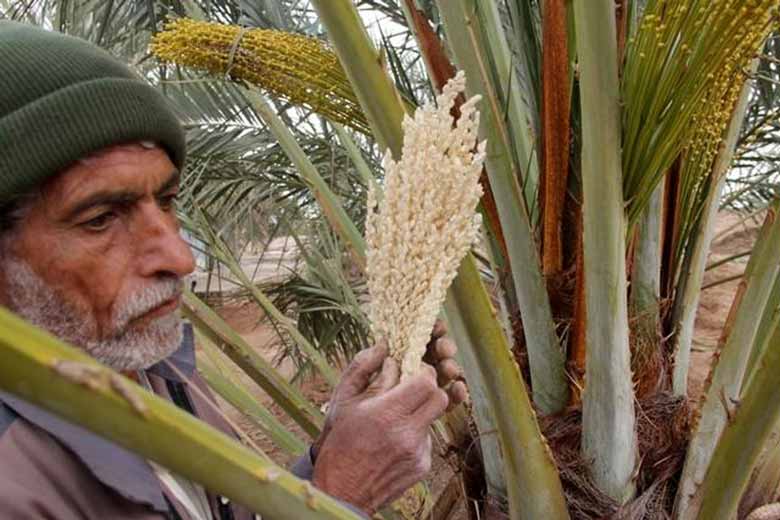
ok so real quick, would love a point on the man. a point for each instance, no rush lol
(90, 250)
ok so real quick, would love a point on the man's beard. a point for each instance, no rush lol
(123, 348)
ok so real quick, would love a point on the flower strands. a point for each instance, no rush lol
(425, 223)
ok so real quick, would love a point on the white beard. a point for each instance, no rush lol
(122, 348)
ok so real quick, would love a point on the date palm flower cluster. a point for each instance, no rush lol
(424, 224)
(292, 67)
(685, 51)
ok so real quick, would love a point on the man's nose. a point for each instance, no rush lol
(163, 250)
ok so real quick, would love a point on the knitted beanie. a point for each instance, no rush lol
(62, 98)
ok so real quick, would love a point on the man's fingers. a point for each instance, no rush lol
(388, 377)
(445, 348)
(446, 371)
(457, 393)
(432, 409)
(439, 330)
(414, 391)
(358, 374)
(439, 349)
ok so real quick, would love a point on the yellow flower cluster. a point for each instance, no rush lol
(425, 223)
(296, 68)
(683, 75)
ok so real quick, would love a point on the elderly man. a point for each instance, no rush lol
(90, 250)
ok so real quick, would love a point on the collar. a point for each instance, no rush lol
(121, 470)
(183, 359)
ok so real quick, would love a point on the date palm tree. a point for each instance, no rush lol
(611, 127)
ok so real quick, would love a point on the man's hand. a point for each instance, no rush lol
(375, 443)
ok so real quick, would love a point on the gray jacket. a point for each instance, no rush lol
(52, 469)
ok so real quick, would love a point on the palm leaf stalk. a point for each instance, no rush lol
(293, 67)
(44, 371)
(767, 323)
(766, 477)
(690, 282)
(534, 464)
(545, 355)
(608, 417)
(729, 372)
(533, 484)
(526, 33)
(364, 66)
(220, 250)
(289, 398)
(369, 180)
(496, 56)
(743, 439)
(482, 412)
(242, 400)
(646, 269)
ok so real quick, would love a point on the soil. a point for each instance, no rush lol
(732, 236)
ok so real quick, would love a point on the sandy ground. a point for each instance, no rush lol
(731, 237)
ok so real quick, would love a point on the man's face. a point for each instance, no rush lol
(98, 260)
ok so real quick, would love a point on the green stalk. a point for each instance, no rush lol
(608, 416)
(329, 202)
(44, 371)
(243, 401)
(533, 485)
(728, 374)
(743, 440)
(526, 29)
(484, 17)
(366, 175)
(765, 480)
(365, 69)
(482, 407)
(226, 257)
(689, 286)
(770, 319)
(690, 282)
(261, 371)
(646, 275)
(545, 355)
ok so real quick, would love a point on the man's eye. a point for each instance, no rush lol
(101, 222)
(168, 202)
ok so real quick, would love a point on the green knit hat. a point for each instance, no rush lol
(62, 98)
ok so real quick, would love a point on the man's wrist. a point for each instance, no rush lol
(344, 496)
